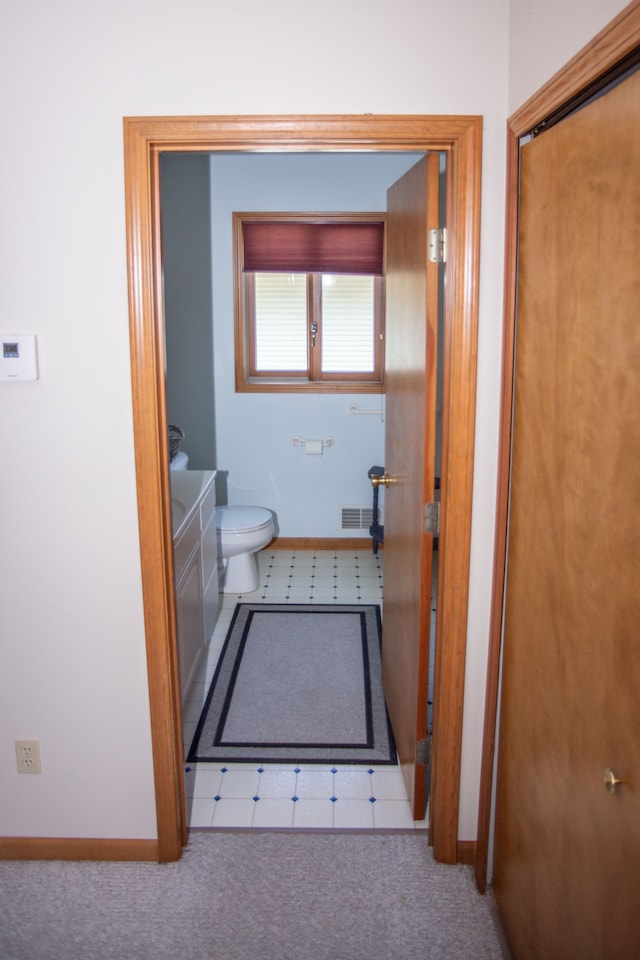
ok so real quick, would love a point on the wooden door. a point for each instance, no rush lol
(410, 376)
(567, 854)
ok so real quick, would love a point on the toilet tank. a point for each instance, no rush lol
(180, 461)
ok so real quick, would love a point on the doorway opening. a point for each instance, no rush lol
(145, 140)
(246, 437)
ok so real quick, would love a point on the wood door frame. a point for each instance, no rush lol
(145, 139)
(616, 41)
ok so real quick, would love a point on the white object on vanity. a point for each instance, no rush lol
(195, 552)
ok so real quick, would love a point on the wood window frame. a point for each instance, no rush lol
(145, 139)
(247, 378)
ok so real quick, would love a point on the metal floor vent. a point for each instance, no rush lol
(358, 518)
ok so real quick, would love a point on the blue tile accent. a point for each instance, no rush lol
(223, 769)
(372, 799)
(255, 799)
(295, 799)
(333, 799)
(217, 797)
(334, 770)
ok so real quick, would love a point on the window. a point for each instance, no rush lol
(309, 302)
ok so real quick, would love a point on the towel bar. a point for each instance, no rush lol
(299, 442)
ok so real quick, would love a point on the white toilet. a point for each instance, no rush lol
(242, 532)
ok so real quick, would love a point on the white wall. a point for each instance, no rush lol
(545, 34)
(72, 651)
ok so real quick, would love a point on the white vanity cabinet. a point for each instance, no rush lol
(209, 559)
(195, 552)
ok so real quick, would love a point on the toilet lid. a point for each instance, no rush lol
(235, 519)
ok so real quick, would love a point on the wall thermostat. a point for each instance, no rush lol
(18, 356)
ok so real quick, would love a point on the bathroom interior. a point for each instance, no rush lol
(255, 444)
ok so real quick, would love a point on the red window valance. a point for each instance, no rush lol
(294, 247)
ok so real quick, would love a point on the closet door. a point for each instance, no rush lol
(567, 855)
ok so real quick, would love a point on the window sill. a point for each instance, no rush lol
(263, 385)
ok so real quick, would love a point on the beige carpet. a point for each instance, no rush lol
(252, 896)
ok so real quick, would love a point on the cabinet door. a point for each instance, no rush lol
(190, 622)
(210, 584)
(209, 544)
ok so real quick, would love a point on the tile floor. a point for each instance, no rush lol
(302, 796)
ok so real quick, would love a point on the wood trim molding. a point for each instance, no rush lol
(72, 848)
(145, 139)
(618, 39)
(323, 543)
(460, 350)
(154, 513)
(466, 852)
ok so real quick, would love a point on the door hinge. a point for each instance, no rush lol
(423, 751)
(432, 518)
(438, 245)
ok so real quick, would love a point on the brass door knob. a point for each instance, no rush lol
(611, 781)
(384, 481)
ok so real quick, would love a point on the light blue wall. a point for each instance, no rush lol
(254, 431)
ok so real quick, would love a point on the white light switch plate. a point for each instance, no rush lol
(18, 356)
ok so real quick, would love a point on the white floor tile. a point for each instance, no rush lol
(314, 784)
(273, 813)
(323, 563)
(354, 814)
(201, 812)
(392, 814)
(324, 578)
(233, 813)
(239, 783)
(323, 594)
(347, 580)
(277, 784)
(388, 784)
(203, 780)
(276, 578)
(313, 813)
(352, 785)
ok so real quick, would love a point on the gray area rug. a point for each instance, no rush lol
(297, 683)
(252, 896)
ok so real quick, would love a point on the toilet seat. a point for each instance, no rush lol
(242, 519)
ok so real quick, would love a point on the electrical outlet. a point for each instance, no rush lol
(28, 756)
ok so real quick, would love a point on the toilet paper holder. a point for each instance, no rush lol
(317, 444)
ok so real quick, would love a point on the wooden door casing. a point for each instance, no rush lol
(145, 138)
